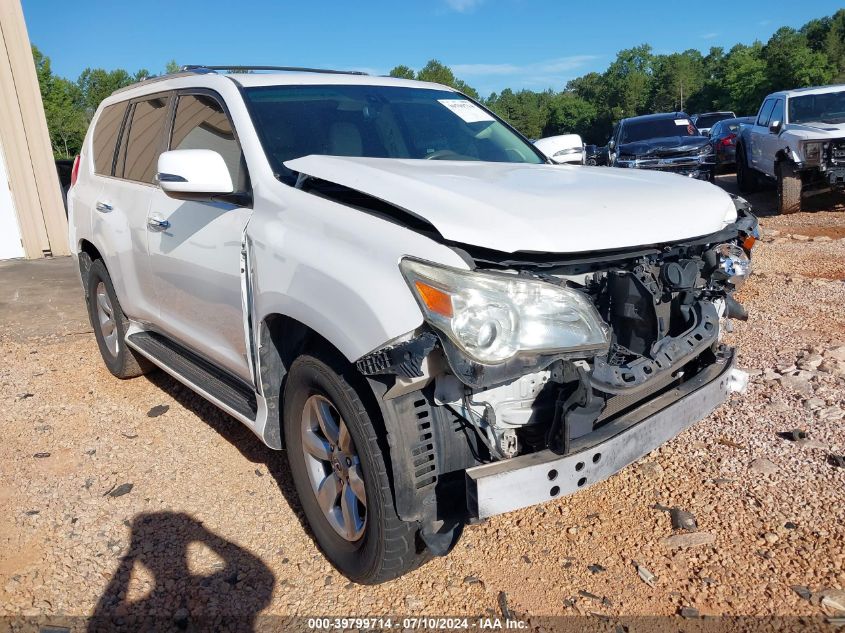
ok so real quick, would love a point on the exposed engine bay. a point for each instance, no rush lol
(663, 308)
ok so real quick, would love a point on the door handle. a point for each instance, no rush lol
(104, 207)
(157, 223)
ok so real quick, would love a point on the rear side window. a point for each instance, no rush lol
(144, 138)
(202, 123)
(105, 137)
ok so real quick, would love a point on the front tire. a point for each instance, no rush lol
(339, 470)
(110, 325)
(789, 188)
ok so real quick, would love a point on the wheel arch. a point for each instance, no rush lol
(87, 253)
(281, 340)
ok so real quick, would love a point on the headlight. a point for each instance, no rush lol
(494, 317)
(706, 149)
(734, 263)
(813, 152)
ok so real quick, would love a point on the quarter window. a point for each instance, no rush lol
(143, 141)
(105, 137)
(202, 123)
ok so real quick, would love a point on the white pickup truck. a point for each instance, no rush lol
(798, 139)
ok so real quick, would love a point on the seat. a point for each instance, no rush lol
(345, 139)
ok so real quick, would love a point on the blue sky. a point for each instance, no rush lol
(491, 44)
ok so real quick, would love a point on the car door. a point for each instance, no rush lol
(195, 246)
(119, 221)
(758, 133)
(770, 142)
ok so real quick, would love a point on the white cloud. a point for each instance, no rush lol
(463, 6)
(709, 36)
(549, 73)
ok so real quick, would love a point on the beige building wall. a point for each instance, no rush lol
(32, 176)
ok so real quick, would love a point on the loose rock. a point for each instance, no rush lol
(691, 539)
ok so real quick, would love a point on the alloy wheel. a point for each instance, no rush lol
(106, 318)
(334, 468)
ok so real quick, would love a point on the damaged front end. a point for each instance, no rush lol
(547, 356)
(696, 161)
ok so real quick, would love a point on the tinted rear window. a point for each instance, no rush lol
(105, 137)
(144, 143)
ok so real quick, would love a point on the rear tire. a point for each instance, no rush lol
(747, 179)
(385, 547)
(110, 325)
(789, 188)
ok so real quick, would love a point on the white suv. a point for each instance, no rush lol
(384, 278)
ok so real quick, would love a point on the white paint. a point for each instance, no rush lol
(541, 208)
(466, 110)
(10, 233)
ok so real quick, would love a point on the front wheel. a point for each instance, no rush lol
(789, 188)
(340, 474)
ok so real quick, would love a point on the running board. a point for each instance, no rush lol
(217, 386)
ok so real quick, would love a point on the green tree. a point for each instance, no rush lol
(96, 84)
(569, 113)
(526, 110)
(745, 80)
(172, 67)
(437, 72)
(402, 72)
(676, 77)
(66, 122)
(791, 63)
(629, 81)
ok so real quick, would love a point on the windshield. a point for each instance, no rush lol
(657, 128)
(379, 122)
(707, 121)
(827, 108)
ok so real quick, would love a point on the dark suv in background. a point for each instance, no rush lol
(705, 122)
(665, 142)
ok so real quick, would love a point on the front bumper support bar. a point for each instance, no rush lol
(537, 477)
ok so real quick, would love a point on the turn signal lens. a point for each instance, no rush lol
(749, 243)
(435, 299)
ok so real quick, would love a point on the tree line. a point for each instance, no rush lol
(637, 81)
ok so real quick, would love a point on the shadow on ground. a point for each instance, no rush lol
(238, 436)
(227, 596)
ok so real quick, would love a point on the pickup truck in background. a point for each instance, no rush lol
(798, 140)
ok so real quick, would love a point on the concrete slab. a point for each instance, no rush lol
(41, 298)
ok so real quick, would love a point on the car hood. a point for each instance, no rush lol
(667, 146)
(512, 207)
(816, 130)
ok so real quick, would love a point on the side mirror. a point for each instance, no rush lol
(774, 127)
(193, 174)
(611, 144)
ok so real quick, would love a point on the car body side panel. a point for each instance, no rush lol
(336, 269)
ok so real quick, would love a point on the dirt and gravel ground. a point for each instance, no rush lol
(127, 497)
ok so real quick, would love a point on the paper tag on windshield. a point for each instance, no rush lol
(467, 110)
(682, 122)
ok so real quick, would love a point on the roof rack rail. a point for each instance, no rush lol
(192, 69)
(207, 69)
